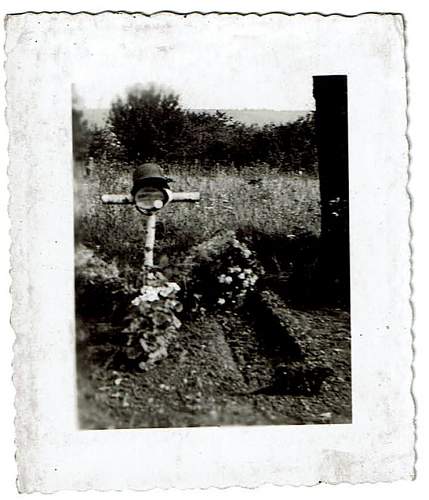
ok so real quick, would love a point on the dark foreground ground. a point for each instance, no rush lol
(216, 364)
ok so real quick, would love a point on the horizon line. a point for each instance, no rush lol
(232, 109)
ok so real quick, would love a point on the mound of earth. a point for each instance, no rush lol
(215, 369)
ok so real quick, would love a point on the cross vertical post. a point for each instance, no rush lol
(150, 240)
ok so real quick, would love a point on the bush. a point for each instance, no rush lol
(150, 125)
(224, 272)
(100, 289)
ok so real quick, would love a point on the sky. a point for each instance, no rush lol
(210, 93)
(96, 96)
(228, 64)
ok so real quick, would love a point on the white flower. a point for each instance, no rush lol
(169, 288)
(221, 278)
(144, 345)
(228, 280)
(137, 301)
(241, 276)
(174, 286)
(221, 301)
(234, 270)
(149, 293)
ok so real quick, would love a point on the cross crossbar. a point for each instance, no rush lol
(129, 199)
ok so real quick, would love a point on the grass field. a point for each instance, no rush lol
(274, 205)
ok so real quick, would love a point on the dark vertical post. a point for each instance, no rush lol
(330, 93)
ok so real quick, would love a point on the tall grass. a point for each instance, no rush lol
(252, 202)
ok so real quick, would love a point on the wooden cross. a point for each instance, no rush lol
(148, 201)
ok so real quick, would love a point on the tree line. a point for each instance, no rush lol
(150, 125)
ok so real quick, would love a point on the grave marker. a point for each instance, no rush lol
(150, 193)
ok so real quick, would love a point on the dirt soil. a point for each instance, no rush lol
(214, 367)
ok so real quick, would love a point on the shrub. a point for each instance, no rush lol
(100, 289)
(150, 124)
(224, 272)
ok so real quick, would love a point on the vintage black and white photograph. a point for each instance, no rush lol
(212, 248)
(210, 259)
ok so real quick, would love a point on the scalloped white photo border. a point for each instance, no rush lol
(48, 52)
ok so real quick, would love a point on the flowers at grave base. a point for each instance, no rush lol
(224, 279)
(241, 282)
(225, 272)
(150, 293)
(153, 322)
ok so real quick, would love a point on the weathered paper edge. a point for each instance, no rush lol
(20, 279)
